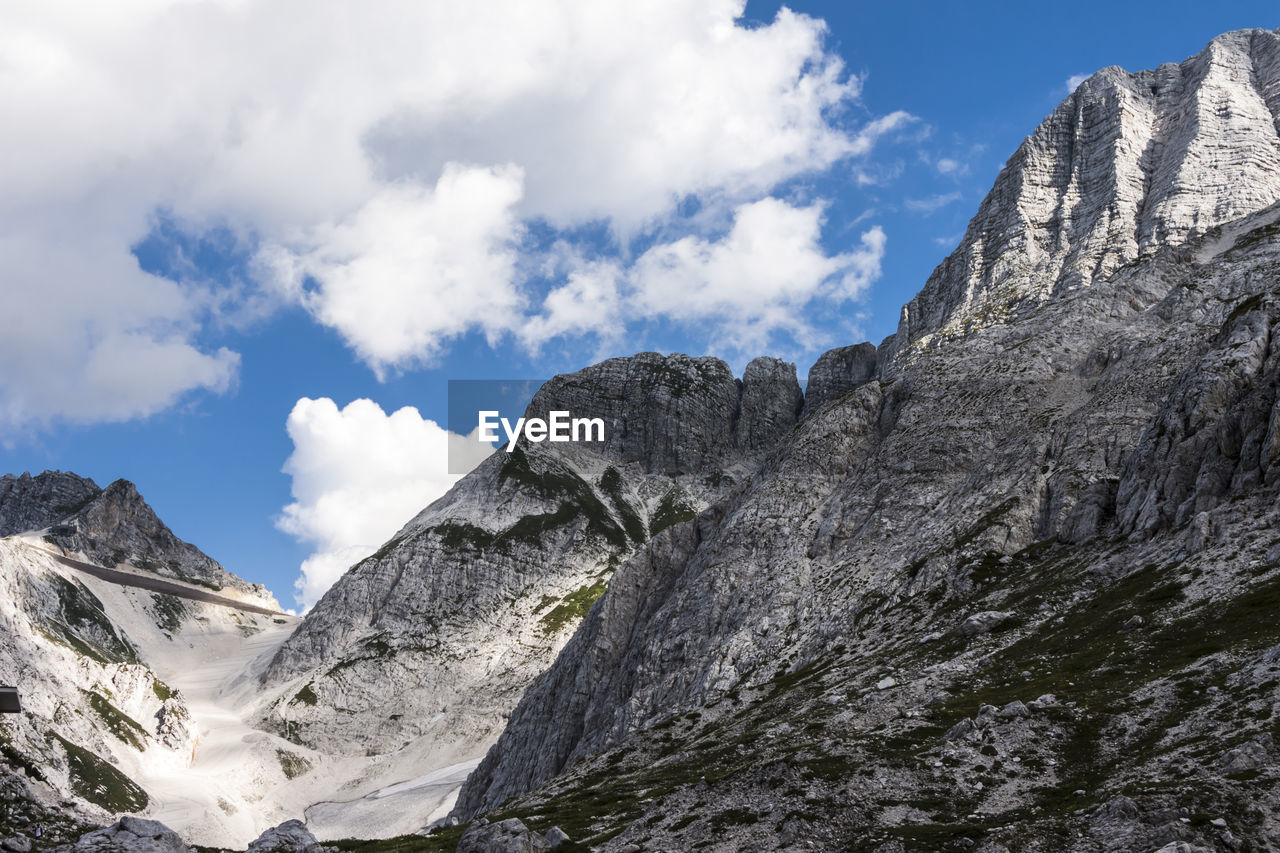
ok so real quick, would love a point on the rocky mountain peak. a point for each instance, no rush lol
(33, 503)
(1127, 163)
(108, 526)
(839, 371)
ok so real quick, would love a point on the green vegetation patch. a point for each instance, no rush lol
(169, 611)
(120, 724)
(83, 626)
(457, 535)
(95, 780)
(674, 508)
(576, 498)
(442, 840)
(572, 608)
(611, 484)
(307, 696)
(292, 764)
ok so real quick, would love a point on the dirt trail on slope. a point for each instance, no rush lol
(156, 584)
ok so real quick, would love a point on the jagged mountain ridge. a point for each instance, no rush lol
(818, 636)
(108, 527)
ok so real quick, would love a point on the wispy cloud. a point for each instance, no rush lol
(1074, 81)
(868, 136)
(932, 203)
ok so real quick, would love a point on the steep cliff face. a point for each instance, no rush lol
(451, 619)
(109, 526)
(1128, 163)
(1063, 481)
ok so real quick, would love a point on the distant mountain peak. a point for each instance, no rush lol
(108, 526)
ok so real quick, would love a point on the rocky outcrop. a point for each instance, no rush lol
(1128, 163)
(34, 503)
(130, 835)
(508, 836)
(770, 403)
(292, 836)
(1218, 434)
(837, 372)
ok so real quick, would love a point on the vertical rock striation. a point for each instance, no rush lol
(1126, 164)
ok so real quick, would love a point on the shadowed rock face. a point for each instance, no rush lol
(837, 372)
(34, 503)
(109, 526)
(1075, 430)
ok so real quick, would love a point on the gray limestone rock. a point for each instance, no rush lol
(1127, 164)
(983, 623)
(503, 568)
(33, 503)
(131, 835)
(557, 837)
(1094, 363)
(1246, 757)
(771, 402)
(292, 836)
(509, 836)
(837, 372)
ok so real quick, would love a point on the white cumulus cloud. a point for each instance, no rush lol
(358, 475)
(381, 161)
(759, 279)
(412, 268)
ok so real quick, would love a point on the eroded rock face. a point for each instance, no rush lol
(34, 503)
(1075, 426)
(131, 835)
(839, 371)
(292, 836)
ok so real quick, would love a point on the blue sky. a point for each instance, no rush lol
(213, 212)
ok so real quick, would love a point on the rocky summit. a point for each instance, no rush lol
(455, 615)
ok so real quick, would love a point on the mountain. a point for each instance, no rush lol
(448, 623)
(1006, 582)
(108, 527)
(1014, 591)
